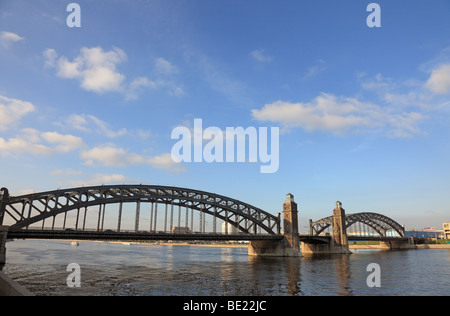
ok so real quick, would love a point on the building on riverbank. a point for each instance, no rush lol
(446, 227)
(425, 233)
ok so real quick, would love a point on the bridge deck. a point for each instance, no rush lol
(140, 236)
(93, 235)
(376, 238)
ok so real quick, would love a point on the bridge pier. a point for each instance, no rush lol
(329, 248)
(289, 245)
(398, 245)
(339, 241)
(3, 237)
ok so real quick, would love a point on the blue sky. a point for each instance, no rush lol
(363, 112)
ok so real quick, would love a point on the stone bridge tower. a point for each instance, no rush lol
(289, 245)
(339, 237)
(290, 224)
(4, 196)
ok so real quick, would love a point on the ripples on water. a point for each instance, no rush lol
(116, 269)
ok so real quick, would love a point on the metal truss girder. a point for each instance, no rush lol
(380, 223)
(62, 201)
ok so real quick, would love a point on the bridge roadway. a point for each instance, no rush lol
(141, 236)
(127, 236)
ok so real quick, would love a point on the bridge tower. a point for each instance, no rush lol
(4, 196)
(290, 224)
(3, 237)
(339, 237)
(289, 245)
(339, 241)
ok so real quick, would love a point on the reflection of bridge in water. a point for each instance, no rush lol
(150, 212)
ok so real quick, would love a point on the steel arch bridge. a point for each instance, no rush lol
(378, 222)
(21, 212)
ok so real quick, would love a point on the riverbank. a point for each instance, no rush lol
(9, 287)
(421, 246)
(433, 246)
(183, 244)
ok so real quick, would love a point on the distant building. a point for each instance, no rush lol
(180, 230)
(229, 229)
(446, 227)
(426, 233)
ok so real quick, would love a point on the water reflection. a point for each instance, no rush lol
(335, 266)
(115, 269)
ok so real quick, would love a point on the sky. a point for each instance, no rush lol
(363, 112)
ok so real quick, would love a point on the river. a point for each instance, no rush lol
(138, 269)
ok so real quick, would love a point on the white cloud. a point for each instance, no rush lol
(166, 162)
(94, 67)
(315, 70)
(63, 143)
(104, 128)
(31, 141)
(339, 116)
(91, 124)
(86, 123)
(12, 110)
(50, 56)
(379, 83)
(22, 146)
(102, 79)
(439, 81)
(8, 38)
(164, 67)
(260, 56)
(76, 121)
(138, 85)
(67, 69)
(112, 156)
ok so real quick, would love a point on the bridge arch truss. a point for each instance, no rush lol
(21, 212)
(379, 223)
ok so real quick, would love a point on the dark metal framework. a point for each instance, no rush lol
(378, 222)
(23, 211)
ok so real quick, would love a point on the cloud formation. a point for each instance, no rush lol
(12, 110)
(339, 115)
(439, 81)
(97, 71)
(89, 123)
(8, 38)
(261, 56)
(109, 155)
(36, 143)
(95, 68)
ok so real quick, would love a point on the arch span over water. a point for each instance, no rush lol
(378, 222)
(22, 211)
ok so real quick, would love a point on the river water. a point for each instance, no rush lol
(117, 269)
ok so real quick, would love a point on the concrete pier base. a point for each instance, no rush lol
(9, 287)
(3, 237)
(271, 248)
(330, 248)
(397, 245)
